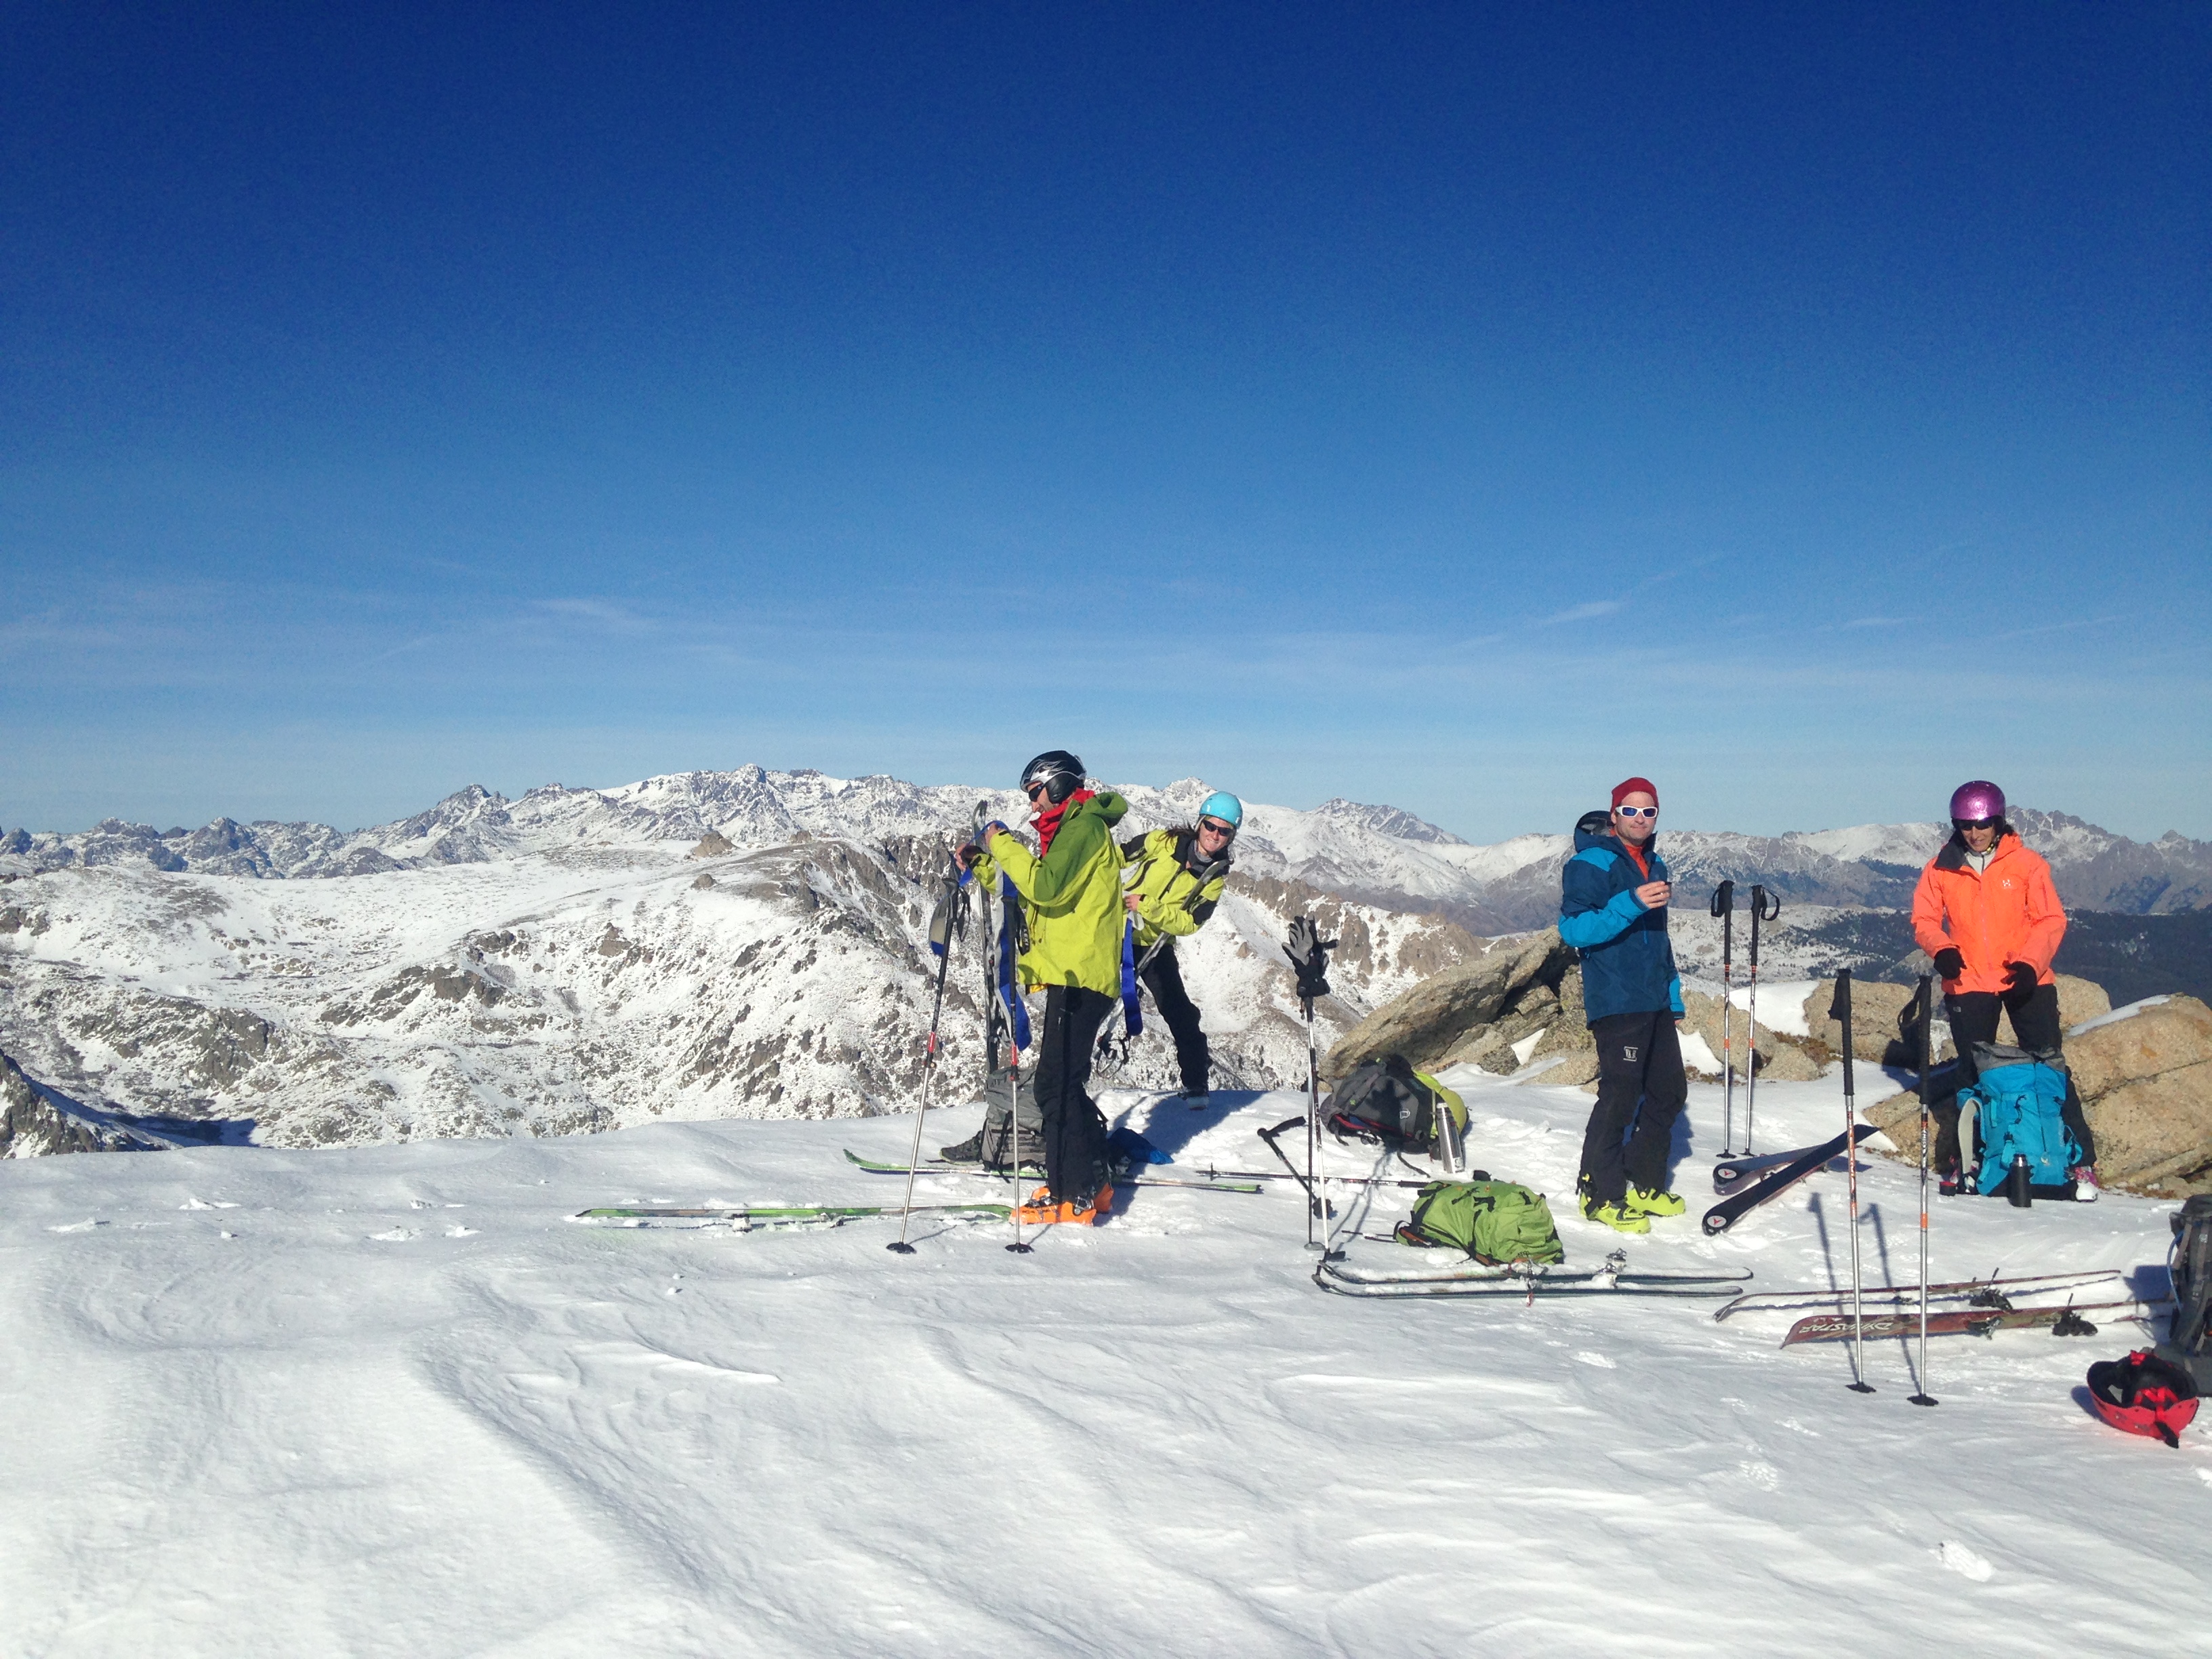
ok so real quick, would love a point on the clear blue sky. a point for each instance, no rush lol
(1456, 405)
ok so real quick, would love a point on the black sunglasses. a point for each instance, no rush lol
(1217, 826)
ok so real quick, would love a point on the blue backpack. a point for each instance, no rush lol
(2016, 1109)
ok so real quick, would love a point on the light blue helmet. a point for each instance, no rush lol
(1225, 806)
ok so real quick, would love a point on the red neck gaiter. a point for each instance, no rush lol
(1048, 822)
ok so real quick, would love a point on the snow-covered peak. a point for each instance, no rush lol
(1341, 846)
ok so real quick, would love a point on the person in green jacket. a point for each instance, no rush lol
(1179, 881)
(1071, 894)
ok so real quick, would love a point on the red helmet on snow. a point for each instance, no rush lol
(2144, 1395)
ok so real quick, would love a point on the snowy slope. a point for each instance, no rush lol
(387, 1401)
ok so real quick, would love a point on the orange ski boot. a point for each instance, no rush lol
(1042, 1211)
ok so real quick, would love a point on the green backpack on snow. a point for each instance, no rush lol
(1493, 1221)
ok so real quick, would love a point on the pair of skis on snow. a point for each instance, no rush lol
(747, 1216)
(1744, 1184)
(1989, 1309)
(1528, 1281)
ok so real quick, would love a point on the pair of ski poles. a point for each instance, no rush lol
(1765, 907)
(947, 923)
(1839, 1010)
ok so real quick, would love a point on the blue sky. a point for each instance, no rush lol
(1458, 406)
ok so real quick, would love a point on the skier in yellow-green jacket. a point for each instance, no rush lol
(1071, 894)
(1180, 875)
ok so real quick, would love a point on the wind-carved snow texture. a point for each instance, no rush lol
(388, 1400)
(745, 943)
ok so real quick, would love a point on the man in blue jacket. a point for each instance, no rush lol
(1613, 909)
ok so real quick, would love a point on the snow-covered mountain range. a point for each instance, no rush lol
(1341, 846)
(741, 943)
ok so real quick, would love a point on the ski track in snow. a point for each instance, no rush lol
(241, 1424)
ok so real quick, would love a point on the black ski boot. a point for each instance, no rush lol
(987, 1148)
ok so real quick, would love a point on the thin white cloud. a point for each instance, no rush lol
(1582, 612)
(1879, 622)
(616, 618)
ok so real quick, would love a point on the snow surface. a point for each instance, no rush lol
(1781, 1005)
(2126, 1011)
(386, 1399)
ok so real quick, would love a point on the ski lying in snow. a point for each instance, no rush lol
(1333, 1276)
(1780, 1301)
(1963, 1322)
(1732, 1209)
(1334, 1180)
(1476, 1273)
(745, 1216)
(1730, 1173)
(938, 1166)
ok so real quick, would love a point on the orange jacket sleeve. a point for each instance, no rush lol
(2046, 921)
(1928, 912)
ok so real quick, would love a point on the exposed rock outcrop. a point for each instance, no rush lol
(1779, 1059)
(1429, 1023)
(32, 1126)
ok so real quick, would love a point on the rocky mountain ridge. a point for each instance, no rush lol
(1379, 855)
(740, 943)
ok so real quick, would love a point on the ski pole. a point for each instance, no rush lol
(1765, 907)
(1309, 955)
(1840, 1010)
(947, 925)
(1926, 1057)
(1316, 1187)
(1725, 907)
(1004, 941)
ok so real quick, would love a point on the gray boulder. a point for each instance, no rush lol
(1427, 1022)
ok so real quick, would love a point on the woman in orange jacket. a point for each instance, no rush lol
(1987, 915)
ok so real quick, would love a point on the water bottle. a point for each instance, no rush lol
(2016, 1192)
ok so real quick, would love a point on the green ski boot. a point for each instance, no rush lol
(1619, 1217)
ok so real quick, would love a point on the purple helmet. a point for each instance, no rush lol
(1978, 802)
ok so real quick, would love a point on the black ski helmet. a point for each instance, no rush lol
(1059, 772)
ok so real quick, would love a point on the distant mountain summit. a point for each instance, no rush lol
(1379, 853)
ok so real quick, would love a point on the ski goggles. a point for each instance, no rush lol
(1638, 811)
(1975, 823)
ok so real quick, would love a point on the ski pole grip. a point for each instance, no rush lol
(1926, 997)
(1839, 1010)
(1723, 898)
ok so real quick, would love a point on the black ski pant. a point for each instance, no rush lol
(1641, 1090)
(1074, 1133)
(1974, 1016)
(1163, 977)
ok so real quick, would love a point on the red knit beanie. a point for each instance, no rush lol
(1628, 787)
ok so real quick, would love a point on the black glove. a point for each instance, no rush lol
(1949, 964)
(1309, 954)
(2021, 978)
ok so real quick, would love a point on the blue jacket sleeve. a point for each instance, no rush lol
(1587, 915)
